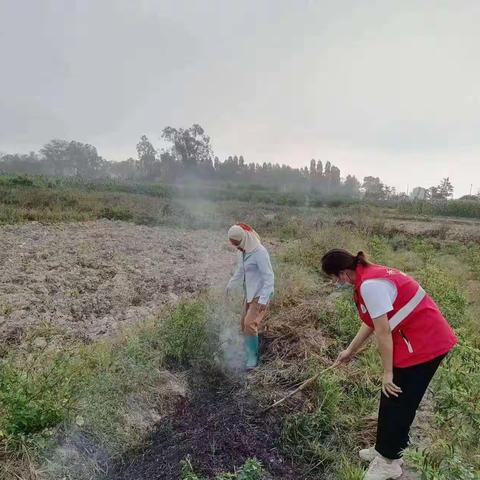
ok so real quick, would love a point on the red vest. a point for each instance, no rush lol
(419, 330)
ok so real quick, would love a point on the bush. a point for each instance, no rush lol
(36, 392)
(16, 180)
(184, 332)
(446, 293)
(454, 208)
(116, 213)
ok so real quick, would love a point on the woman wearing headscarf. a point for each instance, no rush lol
(255, 271)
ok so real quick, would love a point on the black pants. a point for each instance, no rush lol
(396, 414)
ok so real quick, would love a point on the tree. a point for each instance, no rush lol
(445, 188)
(22, 164)
(319, 168)
(442, 191)
(190, 146)
(85, 160)
(374, 188)
(55, 155)
(334, 176)
(73, 158)
(147, 156)
(352, 186)
(124, 170)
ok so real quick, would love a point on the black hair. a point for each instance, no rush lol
(336, 260)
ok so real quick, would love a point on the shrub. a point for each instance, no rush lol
(36, 392)
(116, 213)
(446, 293)
(185, 332)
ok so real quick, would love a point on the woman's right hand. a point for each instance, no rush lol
(344, 356)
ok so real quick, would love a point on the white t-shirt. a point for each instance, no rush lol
(379, 295)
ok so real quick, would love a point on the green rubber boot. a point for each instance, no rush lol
(251, 350)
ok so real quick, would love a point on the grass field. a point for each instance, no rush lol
(76, 410)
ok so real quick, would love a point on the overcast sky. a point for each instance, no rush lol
(383, 88)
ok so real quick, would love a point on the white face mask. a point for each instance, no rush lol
(343, 285)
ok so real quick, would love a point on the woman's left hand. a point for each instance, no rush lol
(388, 387)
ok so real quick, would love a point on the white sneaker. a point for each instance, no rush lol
(381, 469)
(369, 454)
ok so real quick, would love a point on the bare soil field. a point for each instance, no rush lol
(447, 228)
(94, 278)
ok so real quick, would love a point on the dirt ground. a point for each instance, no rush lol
(94, 278)
(457, 229)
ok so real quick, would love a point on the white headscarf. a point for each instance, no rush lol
(246, 235)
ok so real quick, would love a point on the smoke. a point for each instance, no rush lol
(224, 322)
(77, 456)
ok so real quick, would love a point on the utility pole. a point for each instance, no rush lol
(471, 186)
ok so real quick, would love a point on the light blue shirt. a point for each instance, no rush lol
(255, 271)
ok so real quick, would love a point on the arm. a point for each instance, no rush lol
(268, 279)
(238, 274)
(385, 346)
(361, 337)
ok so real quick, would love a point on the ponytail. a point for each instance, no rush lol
(336, 260)
(361, 259)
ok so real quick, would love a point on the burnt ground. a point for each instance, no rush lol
(219, 427)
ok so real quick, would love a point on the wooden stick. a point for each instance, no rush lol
(302, 386)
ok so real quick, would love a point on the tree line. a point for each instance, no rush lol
(188, 154)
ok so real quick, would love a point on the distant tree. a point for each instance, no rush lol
(402, 197)
(374, 188)
(169, 167)
(190, 146)
(313, 168)
(334, 176)
(85, 160)
(352, 186)
(327, 171)
(445, 188)
(56, 157)
(124, 170)
(73, 158)
(147, 157)
(319, 168)
(442, 191)
(472, 198)
(22, 164)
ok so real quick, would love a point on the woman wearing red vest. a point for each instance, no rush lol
(412, 336)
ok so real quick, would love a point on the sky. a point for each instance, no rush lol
(383, 88)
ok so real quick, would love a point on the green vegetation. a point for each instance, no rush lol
(64, 384)
(450, 208)
(71, 199)
(251, 470)
(344, 399)
(57, 386)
